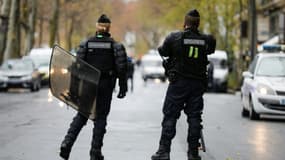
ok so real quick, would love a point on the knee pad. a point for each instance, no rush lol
(80, 119)
(168, 128)
(169, 122)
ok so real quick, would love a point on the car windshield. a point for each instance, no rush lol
(273, 67)
(17, 65)
(152, 63)
(217, 62)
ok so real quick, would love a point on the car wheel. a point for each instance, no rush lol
(244, 112)
(252, 114)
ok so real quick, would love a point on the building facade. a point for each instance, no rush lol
(271, 20)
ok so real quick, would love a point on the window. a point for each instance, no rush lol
(274, 24)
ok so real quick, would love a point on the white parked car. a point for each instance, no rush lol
(41, 58)
(263, 87)
(19, 73)
(219, 81)
(152, 66)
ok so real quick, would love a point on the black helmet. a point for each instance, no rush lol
(192, 19)
(103, 24)
(193, 13)
(103, 19)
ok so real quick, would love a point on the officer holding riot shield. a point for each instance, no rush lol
(108, 56)
(186, 66)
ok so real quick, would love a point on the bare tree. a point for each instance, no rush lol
(71, 11)
(69, 33)
(32, 8)
(54, 23)
(43, 19)
(4, 17)
(13, 40)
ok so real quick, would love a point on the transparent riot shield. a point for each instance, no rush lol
(74, 82)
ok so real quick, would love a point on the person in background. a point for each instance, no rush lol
(131, 70)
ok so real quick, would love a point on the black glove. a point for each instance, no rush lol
(122, 92)
(123, 89)
(123, 84)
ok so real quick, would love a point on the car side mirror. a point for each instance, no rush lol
(247, 74)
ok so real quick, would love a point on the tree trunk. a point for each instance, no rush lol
(41, 23)
(240, 20)
(31, 23)
(4, 19)
(227, 28)
(253, 28)
(69, 29)
(13, 40)
(54, 23)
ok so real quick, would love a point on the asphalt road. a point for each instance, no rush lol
(32, 126)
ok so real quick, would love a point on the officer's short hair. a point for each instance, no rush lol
(192, 18)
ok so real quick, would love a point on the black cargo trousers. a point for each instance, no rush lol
(103, 105)
(183, 94)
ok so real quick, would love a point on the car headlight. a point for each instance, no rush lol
(265, 90)
(26, 78)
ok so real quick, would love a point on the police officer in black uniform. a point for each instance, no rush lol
(187, 66)
(102, 52)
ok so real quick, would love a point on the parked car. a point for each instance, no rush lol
(19, 73)
(41, 58)
(152, 66)
(220, 71)
(263, 87)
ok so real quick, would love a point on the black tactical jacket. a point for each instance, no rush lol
(188, 51)
(118, 66)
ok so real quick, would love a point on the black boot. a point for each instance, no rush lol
(65, 148)
(96, 155)
(161, 154)
(76, 125)
(193, 154)
(99, 131)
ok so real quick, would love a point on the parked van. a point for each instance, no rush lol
(152, 66)
(41, 58)
(219, 79)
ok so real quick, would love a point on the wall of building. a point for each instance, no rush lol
(271, 20)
